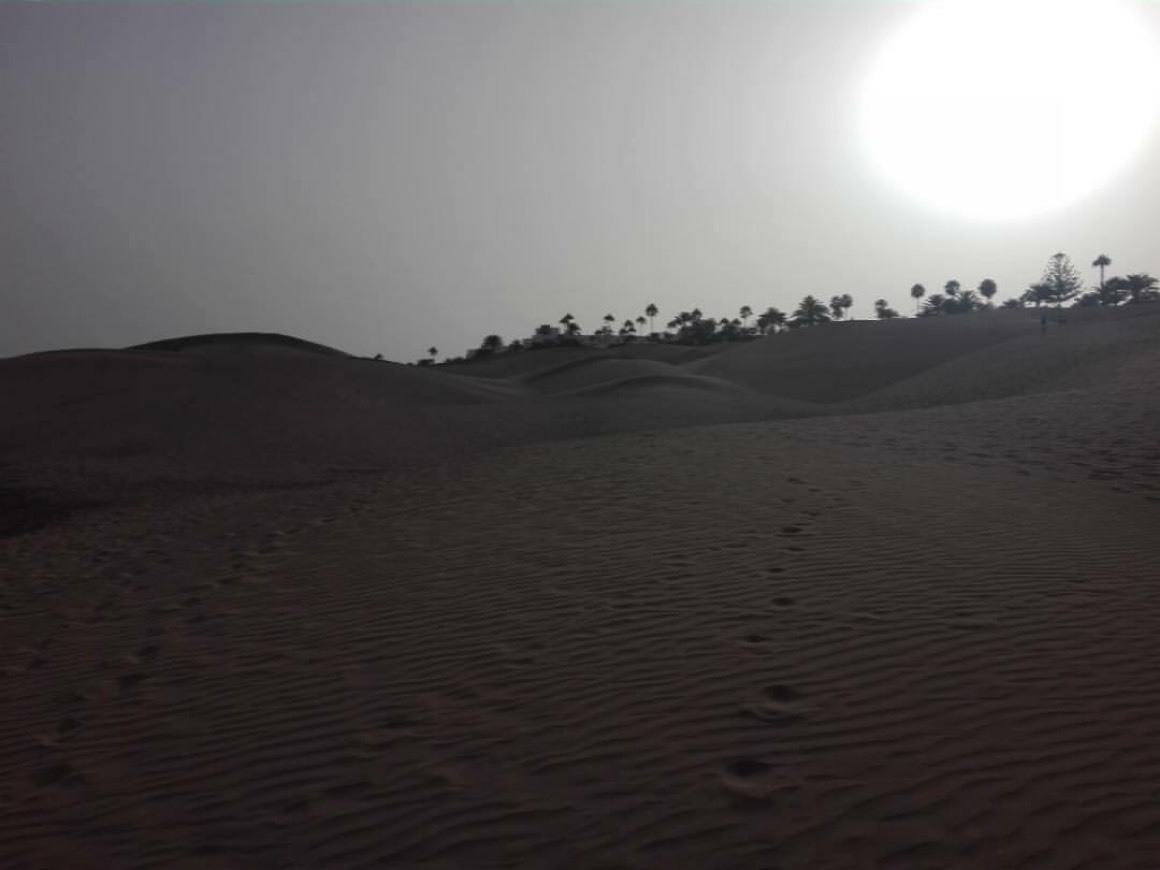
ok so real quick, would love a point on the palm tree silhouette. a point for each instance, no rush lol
(1037, 294)
(433, 351)
(650, 313)
(746, 312)
(772, 320)
(916, 293)
(836, 307)
(1140, 287)
(988, 288)
(811, 311)
(608, 321)
(1099, 263)
(952, 287)
(640, 322)
(966, 302)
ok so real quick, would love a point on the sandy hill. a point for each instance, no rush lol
(837, 362)
(251, 410)
(242, 402)
(239, 342)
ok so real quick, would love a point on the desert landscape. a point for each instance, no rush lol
(866, 595)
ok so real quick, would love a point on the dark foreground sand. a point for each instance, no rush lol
(871, 596)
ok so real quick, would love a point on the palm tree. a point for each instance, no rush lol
(608, 321)
(628, 328)
(966, 302)
(1141, 288)
(836, 307)
(746, 312)
(916, 293)
(650, 313)
(567, 320)
(640, 322)
(952, 287)
(847, 304)
(1112, 292)
(988, 288)
(811, 311)
(883, 310)
(1099, 263)
(934, 304)
(1036, 294)
(433, 352)
(774, 320)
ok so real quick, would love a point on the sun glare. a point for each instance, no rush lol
(1005, 109)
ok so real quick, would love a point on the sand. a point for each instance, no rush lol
(865, 596)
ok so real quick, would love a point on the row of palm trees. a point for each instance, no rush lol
(1135, 288)
(693, 327)
(1061, 282)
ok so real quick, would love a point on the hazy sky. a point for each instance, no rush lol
(384, 176)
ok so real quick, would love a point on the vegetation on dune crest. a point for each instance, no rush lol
(840, 305)
(883, 311)
(916, 293)
(1060, 283)
(810, 312)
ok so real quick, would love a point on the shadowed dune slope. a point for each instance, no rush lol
(1082, 353)
(252, 404)
(841, 361)
(531, 362)
(606, 374)
(222, 413)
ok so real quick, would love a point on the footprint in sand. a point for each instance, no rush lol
(751, 780)
(754, 641)
(60, 773)
(129, 681)
(778, 705)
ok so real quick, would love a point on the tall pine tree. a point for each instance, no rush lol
(1061, 280)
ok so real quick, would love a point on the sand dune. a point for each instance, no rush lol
(842, 361)
(895, 607)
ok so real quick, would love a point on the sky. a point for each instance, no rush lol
(384, 177)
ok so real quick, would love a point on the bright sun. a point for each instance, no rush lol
(1000, 109)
